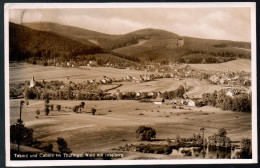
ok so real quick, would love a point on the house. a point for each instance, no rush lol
(32, 83)
(129, 77)
(92, 81)
(222, 81)
(138, 94)
(191, 103)
(230, 93)
(159, 101)
(174, 101)
(104, 81)
(233, 92)
(214, 79)
(92, 63)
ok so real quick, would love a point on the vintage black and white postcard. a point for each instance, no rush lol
(130, 83)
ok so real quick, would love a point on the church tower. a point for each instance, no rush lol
(32, 82)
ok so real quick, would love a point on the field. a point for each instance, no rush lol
(195, 87)
(27, 71)
(107, 130)
(235, 65)
(116, 121)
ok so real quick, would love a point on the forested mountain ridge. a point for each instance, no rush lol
(25, 42)
(153, 45)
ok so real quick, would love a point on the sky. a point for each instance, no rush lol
(225, 23)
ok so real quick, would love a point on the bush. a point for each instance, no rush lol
(75, 109)
(167, 150)
(82, 104)
(145, 133)
(58, 107)
(93, 111)
(48, 148)
(187, 152)
(63, 146)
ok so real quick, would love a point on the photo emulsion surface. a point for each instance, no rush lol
(92, 83)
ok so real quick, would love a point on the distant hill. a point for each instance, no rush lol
(194, 50)
(199, 42)
(105, 41)
(25, 42)
(154, 45)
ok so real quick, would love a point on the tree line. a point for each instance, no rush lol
(239, 103)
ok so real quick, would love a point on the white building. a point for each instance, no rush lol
(230, 93)
(191, 103)
(159, 101)
(138, 94)
(32, 82)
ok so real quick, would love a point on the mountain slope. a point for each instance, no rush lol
(25, 42)
(105, 41)
(154, 45)
(63, 29)
(194, 50)
(40, 46)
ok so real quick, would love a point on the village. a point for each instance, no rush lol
(233, 83)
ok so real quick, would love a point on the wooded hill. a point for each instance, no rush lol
(27, 43)
(103, 40)
(152, 45)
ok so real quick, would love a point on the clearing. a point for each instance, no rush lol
(235, 65)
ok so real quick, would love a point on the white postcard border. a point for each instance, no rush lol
(131, 5)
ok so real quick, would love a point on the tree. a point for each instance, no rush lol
(20, 134)
(58, 107)
(246, 149)
(93, 111)
(63, 146)
(168, 141)
(180, 91)
(76, 109)
(246, 144)
(20, 125)
(202, 129)
(48, 148)
(21, 107)
(37, 112)
(82, 104)
(145, 133)
(27, 103)
(47, 100)
(46, 109)
(178, 139)
(222, 132)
